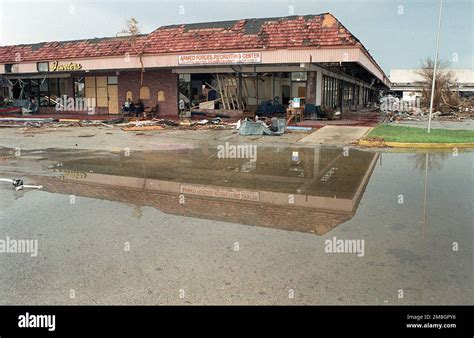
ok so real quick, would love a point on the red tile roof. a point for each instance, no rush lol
(58, 50)
(322, 30)
(288, 32)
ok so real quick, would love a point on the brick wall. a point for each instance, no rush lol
(156, 80)
(290, 218)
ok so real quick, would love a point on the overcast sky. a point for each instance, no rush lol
(397, 33)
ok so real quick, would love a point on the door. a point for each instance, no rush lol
(113, 99)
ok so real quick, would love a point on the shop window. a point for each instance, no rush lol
(185, 90)
(161, 96)
(112, 80)
(264, 87)
(298, 84)
(331, 91)
(44, 92)
(144, 93)
(63, 86)
(31, 89)
(53, 90)
(185, 77)
(79, 88)
(298, 89)
(298, 76)
(42, 66)
(129, 95)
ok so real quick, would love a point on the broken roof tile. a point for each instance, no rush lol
(284, 32)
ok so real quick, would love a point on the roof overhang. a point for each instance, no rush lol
(350, 54)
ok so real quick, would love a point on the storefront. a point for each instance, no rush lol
(233, 66)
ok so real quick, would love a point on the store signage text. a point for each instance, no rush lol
(56, 67)
(208, 191)
(220, 58)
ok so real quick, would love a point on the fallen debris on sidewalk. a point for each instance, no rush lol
(189, 124)
(50, 122)
(19, 185)
(248, 127)
(143, 128)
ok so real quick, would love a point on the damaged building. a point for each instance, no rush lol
(408, 84)
(232, 68)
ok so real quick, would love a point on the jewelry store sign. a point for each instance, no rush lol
(220, 58)
(56, 67)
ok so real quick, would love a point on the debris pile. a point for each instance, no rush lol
(276, 127)
(246, 126)
(37, 122)
(396, 110)
(186, 123)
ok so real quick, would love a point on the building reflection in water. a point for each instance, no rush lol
(299, 189)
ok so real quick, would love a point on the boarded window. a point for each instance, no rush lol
(129, 95)
(144, 93)
(102, 94)
(161, 96)
(90, 87)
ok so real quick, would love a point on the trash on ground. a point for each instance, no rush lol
(301, 129)
(248, 127)
(143, 128)
(18, 184)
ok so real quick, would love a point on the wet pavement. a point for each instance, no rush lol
(186, 225)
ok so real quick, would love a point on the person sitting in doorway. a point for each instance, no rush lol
(127, 105)
(139, 108)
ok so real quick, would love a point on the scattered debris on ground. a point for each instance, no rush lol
(143, 128)
(37, 122)
(19, 185)
(276, 127)
(396, 110)
(186, 123)
(246, 126)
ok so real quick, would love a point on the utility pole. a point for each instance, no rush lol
(434, 68)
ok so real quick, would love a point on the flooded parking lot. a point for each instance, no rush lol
(220, 225)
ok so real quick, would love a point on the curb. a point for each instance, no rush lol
(382, 144)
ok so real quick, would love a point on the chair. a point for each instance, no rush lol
(150, 111)
(310, 111)
(294, 114)
(321, 114)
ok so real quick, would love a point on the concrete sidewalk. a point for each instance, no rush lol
(336, 135)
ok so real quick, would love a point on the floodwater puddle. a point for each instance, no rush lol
(370, 222)
(303, 189)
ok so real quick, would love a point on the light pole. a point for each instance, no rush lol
(434, 68)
